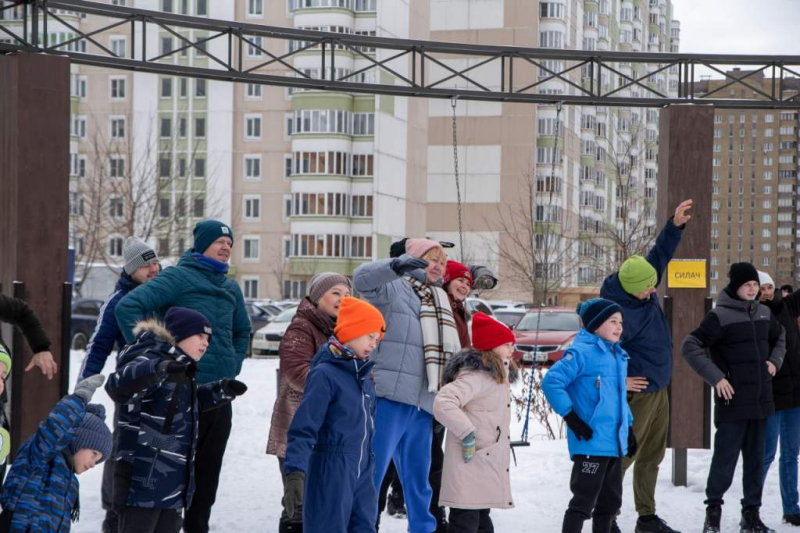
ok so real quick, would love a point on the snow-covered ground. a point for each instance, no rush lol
(250, 488)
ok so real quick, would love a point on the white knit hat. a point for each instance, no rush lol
(765, 279)
(137, 254)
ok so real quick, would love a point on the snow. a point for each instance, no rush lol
(250, 489)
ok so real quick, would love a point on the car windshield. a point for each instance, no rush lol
(551, 322)
(286, 316)
(508, 318)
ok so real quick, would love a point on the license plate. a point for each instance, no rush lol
(272, 346)
(539, 357)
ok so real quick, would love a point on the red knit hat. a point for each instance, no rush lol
(357, 318)
(456, 270)
(488, 333)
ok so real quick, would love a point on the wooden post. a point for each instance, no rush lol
(684, 171)
(34, 217)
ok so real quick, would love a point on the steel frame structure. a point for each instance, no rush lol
(419, 57)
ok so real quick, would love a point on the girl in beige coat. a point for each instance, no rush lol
(475, 407)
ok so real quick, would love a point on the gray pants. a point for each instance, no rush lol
(298, 511)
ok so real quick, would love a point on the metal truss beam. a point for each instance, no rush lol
(399, 67)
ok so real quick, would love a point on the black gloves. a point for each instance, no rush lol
(578, 426)
(404, 265)
(171, 367)
(232, 387)
(632, 446)
(293, 492)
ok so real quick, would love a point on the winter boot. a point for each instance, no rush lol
(793, 519)
(290, 527)
(713, 519)
(652, 524)
(751, 522)
(395, 505)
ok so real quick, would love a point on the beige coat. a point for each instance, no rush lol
(473, 401)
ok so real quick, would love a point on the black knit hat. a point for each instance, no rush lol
(183, 323)
(740, 274)
(596, 311)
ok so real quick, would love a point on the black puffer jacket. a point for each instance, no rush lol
(786, 383)
(18, 313)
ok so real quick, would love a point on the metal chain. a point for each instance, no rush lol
(453, 102)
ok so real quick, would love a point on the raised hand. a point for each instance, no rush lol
(681, 217)
(405, 264)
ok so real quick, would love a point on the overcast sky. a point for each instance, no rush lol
(739, 26)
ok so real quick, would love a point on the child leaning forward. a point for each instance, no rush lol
(587, 388)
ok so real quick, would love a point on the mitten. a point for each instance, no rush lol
(233, 387)
(405, 264)
(468, 447)
(578, 426)
(86, 387)
(293, 492)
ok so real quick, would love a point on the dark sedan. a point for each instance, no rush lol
(84, 320)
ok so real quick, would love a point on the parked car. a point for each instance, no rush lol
(259, 317)
(83, 321)
(557, 327)
(267, 339)
(507, 304)
(509, 316)
(473, 305)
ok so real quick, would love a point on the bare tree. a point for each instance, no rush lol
(149, 186)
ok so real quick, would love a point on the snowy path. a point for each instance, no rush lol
(250, 487)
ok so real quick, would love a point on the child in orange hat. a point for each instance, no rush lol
(330, 438)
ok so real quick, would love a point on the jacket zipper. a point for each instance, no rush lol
(364, 410)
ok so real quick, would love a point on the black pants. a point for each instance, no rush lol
(435, 476)
(470, 521)
(138, 519)
(298, 510)
(745, 437)
(107, 488)
(596, 485)
(215, 428)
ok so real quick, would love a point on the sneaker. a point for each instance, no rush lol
(713, 519)
(793, 519)
(751, 522)
(653, 524)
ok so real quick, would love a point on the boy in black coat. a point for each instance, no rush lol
(746, 347)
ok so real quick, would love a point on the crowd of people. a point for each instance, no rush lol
(399, 387)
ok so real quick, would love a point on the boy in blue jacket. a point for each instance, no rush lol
(587, 388)
(155, 382)
(330, 438)
(41, 490)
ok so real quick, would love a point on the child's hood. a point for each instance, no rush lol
(155, 327)
(471, 359)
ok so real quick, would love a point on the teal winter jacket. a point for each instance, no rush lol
(196, 286)
(590, 380)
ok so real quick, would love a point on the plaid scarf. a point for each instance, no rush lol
(439, 334)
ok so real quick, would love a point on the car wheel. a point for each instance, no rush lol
(79, 341)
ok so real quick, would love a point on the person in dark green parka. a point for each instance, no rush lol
(200, 282)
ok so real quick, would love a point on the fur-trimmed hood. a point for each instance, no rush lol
(155, 327)
(470, 359)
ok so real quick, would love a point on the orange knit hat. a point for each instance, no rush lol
(357, 318)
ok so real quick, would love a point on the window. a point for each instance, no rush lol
(362, 164)
(166, 87)
(78, 86)
(116, 167)
(115, 207)
(166, 6)
(163, 247)
(180, 207)
(200, 88)
(78, 165)
(76, 204)
(166, 127)
(252, 127)
(250, 287)
(250, 250)
(202, 8)
(288, 121)
(252, 167)
(199, 168)
(115, 246)
(182, 134)
(198, 208)
(254, 46)
(163, 207)
(200, 127)
(252, 207)
(363, 123)
(117, 128)
(79, 127)
(166, 45)
(118, 45)
(183, 87)
(551, 10)
(118, 88)
(164, 167)
(182, 167)
(288, 164)
(361, 247)
(361, 206)
(551, 39)
(287, 207)
(253, 91)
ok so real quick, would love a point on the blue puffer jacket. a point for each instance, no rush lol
(590, 380)
(41, 488)
(647, 337)
(335, 415)
(158, 427)
(196, 286)
(400, 373)
(106, 332)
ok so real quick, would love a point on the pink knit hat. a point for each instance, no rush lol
(419, 247)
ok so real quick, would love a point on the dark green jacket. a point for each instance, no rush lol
(195, 286)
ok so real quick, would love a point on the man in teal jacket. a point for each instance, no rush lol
(200, 282)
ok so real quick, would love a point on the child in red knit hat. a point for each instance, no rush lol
(475, 407)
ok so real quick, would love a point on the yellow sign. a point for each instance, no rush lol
(686, 274)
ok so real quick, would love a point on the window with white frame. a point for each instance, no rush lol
(255, 8)
(288, 125)
(166, 87)
(116, 167)
(551, 39)
(78, 86)
(252, 130)
(200, 127)
(553, 10)
(78, 126)
(363, 124)
(117, 86)
(250, 286)
(252, 207)
(363, 164)
(254, 46)
(117, 128)
(361, 206)
(250, 248)
(115, 207)
(332, 162)
(252, 91)
(200, 88)
(287, 207)
(76, 204)
(118, 45)
(286, 250)
(361, 247)
(115, 246)
(288, 165)
(321, 204)
(252, 167)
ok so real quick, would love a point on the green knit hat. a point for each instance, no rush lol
(637, 275)
(5, 358)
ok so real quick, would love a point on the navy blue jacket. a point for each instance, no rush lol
(106, 332)
(336, 415)
(159, 423)
(646, 337)
(41, 488)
